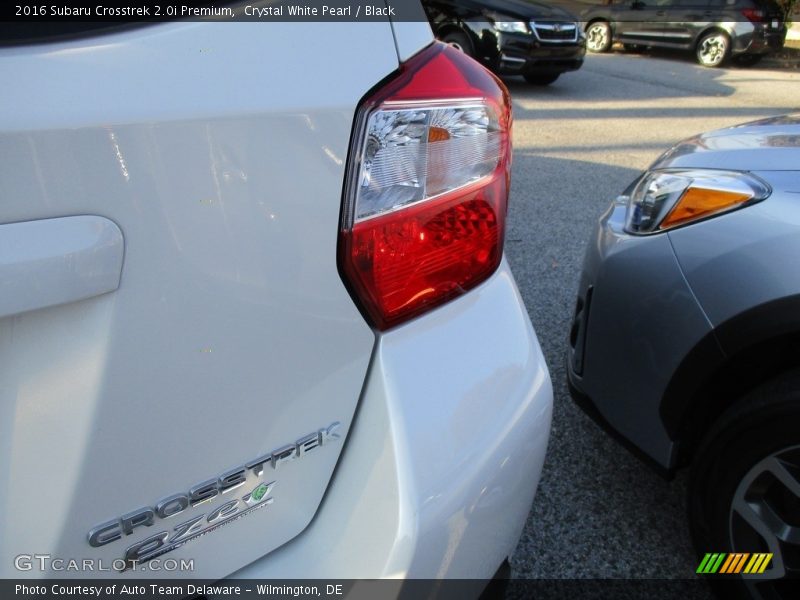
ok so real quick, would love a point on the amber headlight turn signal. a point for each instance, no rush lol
(671, 198)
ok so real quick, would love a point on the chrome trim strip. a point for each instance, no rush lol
(555, 27)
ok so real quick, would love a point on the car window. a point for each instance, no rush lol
(653, 3)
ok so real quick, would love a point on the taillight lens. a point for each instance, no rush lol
(754, 15)
(425, 202)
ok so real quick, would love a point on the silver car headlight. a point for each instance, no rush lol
(664, 199)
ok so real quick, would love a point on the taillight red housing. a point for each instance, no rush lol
(754, 15)
(426, 196)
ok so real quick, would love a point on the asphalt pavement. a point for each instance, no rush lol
(600, 512)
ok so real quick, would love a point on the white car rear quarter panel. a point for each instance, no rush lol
(219, 151)
(445, 454)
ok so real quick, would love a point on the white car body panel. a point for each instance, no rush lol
(231, 333)
(440, 468)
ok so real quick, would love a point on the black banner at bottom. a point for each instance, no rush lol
(539, 589)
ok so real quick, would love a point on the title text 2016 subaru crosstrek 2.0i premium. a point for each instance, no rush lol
(228, 269)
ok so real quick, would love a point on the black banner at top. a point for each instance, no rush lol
(132, 11)
(264, 10)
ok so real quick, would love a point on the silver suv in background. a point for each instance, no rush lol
(686, 341)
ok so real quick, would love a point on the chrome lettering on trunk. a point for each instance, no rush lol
(249, 474)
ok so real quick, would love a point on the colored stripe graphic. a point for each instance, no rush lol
(742, 562)
(711, 563)
(734, 563)
(767, 559)
(754, 563)
(704, 563)
(737, 568)
(732, 558)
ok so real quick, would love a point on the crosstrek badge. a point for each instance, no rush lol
(233, 506)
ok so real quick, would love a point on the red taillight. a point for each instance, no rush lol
(425, 206)
(754, 15)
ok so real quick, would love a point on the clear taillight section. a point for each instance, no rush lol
(414, 154)
(425, 204)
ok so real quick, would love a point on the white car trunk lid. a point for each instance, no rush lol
(227, 365)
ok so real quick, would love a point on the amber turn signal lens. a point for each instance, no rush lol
(697, 203)
(438, 134)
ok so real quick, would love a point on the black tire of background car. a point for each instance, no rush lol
(748, 60)
(541, 78)
(716, 59)
(633, 47)
(460, 40)
(765, 422)
(601, 29)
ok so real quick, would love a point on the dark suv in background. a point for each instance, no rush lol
(715, 30)
(511, 37)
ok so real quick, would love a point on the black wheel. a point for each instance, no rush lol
(460, 41)
(744, 491)
(541, 78)
(713, 49)
(748, 60)
(598, 37)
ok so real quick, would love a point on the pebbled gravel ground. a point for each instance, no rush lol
(599, 512)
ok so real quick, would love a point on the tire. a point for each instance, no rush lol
(744, 489)
(541, 78)
(748, 60)
(598, 37)
(460, 41)
(633, 47)
(713, 49)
